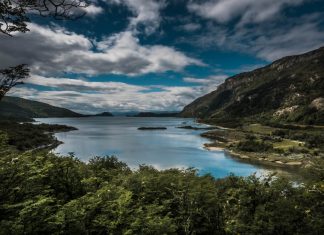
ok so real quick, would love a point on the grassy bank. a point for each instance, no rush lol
(273, 144)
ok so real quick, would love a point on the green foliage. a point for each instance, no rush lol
(252, 145)
(3, 140)
(270, 206)
(313, 138)
(46, 194)
(27, 136)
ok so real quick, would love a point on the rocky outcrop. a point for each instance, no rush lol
(318, 104)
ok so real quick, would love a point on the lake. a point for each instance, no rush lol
(163, 149)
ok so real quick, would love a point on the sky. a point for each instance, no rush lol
(156, 55)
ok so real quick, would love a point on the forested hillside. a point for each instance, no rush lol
(18, 108)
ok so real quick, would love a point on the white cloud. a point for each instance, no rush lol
(147, 13)
(50, 50)
(190, 27)
(84, 96)
(83, 85)
(211, 80)
(247, 11)
(267, 41)
(93, 10)
(53, 51)
(296, 40)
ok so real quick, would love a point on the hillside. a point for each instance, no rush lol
(104, 114)
(18, 108)
(151, 114)
(289, 90)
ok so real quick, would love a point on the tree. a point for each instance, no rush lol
(14, 16)
(11, 77)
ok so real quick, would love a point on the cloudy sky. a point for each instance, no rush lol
(156, 55)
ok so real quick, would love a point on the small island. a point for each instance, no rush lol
(151, 128)
(197, 128)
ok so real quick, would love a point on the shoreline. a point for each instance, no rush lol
(281, 169)
(224, 142)
(220, 143)
(245, 157)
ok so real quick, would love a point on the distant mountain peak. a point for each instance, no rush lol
(104, 114)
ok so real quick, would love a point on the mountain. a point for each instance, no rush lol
(288, 90)
(104, 114)
(18, 108)
(125, 114)
(151, 114)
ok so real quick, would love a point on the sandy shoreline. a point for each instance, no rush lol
(210, 148)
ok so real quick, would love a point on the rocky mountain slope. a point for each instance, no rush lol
(289, 90)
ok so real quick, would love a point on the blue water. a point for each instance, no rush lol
(163, 149)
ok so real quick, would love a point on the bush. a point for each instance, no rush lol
(254, 146)
(47, 194)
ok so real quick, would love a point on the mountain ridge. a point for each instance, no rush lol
(290, 89)
(19, 108)
(155, 114)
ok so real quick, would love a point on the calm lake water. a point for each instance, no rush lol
(171, 148)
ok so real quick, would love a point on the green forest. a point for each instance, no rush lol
(42, 193)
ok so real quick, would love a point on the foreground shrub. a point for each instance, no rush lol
(48, 194)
